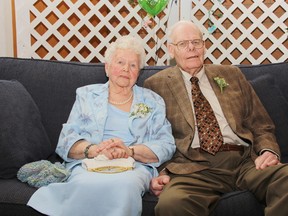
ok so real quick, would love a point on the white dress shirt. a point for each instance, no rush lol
(228, 135)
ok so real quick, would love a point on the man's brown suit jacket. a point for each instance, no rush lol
(241, 106)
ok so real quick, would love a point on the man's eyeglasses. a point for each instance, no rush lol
(197, 44)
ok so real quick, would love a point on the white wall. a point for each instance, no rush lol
(6, 32)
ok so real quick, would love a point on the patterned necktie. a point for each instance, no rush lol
(209, 132)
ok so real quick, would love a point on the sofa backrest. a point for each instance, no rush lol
(278, 70)
(52, 84)
(270, 83)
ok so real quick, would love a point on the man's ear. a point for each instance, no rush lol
(171, 50)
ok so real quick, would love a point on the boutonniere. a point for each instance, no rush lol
(140, 110)
(221, 82)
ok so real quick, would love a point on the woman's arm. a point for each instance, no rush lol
(139, 152)
(143, 154)
(155, 144)
(82, 149)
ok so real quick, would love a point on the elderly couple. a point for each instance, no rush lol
(165, 135)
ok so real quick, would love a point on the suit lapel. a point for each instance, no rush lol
(224, 97)
(178, 89)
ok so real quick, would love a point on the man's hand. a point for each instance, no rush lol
(265, 160)
(157, 184)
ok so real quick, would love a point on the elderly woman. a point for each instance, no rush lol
(117, 119)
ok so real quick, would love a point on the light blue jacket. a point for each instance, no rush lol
(89, 113)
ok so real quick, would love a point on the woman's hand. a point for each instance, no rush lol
(118, 153)
(140, 152)
(114, 148)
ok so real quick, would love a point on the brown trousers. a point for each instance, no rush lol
(197, 193)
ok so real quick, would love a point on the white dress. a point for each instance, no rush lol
(98, 194)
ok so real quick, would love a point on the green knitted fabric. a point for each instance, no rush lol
(41, 173)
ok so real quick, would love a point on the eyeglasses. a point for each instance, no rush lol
(197, 44)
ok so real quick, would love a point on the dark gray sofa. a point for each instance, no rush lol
(52, 86)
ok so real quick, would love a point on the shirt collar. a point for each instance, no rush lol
(199, 75)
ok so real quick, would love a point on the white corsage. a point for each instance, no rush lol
(140, 110)
(221, 82)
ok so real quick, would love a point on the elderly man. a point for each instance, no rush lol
(225, 139)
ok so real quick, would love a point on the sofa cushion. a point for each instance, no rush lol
(23, 138)
(238, 203)
(276, 105)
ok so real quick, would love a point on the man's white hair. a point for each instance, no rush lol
(171, 30)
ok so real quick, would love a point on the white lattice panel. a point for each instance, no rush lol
(79, 30)
(250, 32)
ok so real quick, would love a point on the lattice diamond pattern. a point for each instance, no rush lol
(80, 30)
(247, 32)
(251, 32)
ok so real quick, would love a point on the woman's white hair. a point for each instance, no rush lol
(126, 42)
